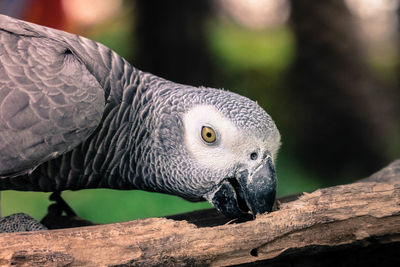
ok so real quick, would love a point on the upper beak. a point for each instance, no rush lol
(247, 194)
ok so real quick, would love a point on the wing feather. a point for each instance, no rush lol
(49, 101)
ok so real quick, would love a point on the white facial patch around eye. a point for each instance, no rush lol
(219, 155)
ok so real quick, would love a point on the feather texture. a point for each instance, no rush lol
(49, 101)
(75, 115)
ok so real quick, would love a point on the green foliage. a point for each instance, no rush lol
(101, 205)
(239, 48)
(116, 34)
(292, 178)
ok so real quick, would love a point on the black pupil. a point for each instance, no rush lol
(254, 156)
(209, 134)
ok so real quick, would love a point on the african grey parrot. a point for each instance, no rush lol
(75, 115)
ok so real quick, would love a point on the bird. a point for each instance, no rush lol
(75, 115)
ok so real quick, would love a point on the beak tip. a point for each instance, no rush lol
(246, 196)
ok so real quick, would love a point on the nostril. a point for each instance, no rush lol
(253, 156)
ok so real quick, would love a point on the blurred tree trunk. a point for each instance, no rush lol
(171, 40)
(343, 117)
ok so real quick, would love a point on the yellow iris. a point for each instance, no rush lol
(208, 134)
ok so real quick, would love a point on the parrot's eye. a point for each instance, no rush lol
(208, 134)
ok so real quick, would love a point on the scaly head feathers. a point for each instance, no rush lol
(204, 139)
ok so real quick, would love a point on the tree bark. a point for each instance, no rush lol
(345, 225)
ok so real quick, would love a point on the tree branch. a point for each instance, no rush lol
(359, 215)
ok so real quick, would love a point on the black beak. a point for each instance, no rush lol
(247, 194)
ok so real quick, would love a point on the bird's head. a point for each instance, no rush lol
(216, 145)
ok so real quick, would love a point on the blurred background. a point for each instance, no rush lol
(326, 71)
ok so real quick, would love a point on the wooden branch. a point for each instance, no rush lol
(361, 215)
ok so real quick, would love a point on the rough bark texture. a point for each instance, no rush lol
(347, 225)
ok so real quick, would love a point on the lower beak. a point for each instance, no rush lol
(247, 194)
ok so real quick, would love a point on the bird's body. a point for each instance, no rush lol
(75, 115)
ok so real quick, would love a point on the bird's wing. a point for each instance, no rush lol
(49, 101)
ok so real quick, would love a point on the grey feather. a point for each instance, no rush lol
(49, 101)
(19, 222)
(75, 115)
